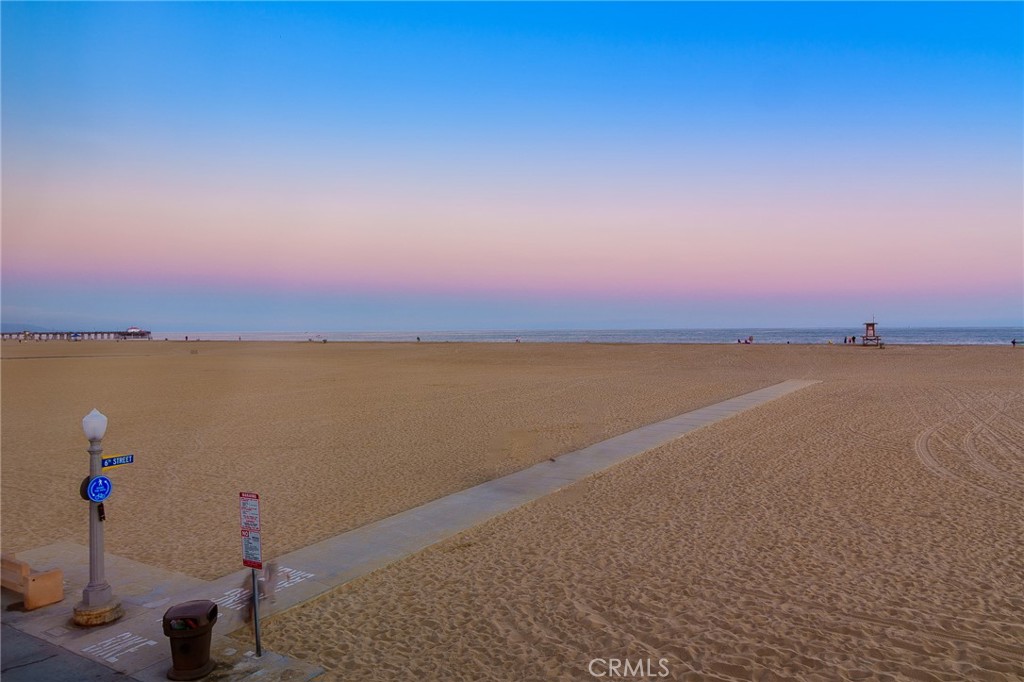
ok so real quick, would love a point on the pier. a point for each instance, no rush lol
(130, 333)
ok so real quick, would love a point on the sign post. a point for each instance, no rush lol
(252, 553)
(99, 605)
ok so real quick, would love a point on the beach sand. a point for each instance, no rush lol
(864, 527)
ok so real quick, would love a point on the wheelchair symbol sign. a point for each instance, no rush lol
(99, 488)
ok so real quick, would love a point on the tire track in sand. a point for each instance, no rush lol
(970, 448)
(929, 458)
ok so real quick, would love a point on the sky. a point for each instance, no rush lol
(436, 166)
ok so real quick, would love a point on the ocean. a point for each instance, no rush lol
(957, 336)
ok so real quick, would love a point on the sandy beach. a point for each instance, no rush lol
(866, 527)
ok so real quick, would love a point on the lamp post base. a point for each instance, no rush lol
(87, 616)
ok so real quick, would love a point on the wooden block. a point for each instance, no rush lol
(43, 589)
(39, 589)
(13, 573)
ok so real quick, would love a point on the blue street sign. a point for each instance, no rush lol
(99, 488)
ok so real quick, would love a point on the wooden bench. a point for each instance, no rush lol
(40, 588)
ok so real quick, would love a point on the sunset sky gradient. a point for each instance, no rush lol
(264, 166)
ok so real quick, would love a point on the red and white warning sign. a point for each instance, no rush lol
(249, 510)
(249, 513)
(252, 552)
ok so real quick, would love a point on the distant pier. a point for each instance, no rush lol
(130, 333)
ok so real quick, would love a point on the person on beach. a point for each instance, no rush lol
(1014, 343)
(266, 582)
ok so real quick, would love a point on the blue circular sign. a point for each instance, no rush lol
(99, 488)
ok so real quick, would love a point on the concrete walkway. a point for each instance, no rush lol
(30, 659)
(136, 646)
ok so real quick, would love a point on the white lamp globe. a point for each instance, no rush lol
(95, 425)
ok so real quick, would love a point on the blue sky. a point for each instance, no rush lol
(524, 165)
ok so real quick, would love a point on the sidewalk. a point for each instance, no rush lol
(133, 648)
(24, 658)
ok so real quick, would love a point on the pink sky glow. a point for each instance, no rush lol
(654, 243)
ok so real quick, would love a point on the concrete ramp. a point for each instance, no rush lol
(342, 558)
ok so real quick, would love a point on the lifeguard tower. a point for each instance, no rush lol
(870, 338)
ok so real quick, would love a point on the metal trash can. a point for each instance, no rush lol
(190, 628)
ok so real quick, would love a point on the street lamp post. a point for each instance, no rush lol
(98, 605)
